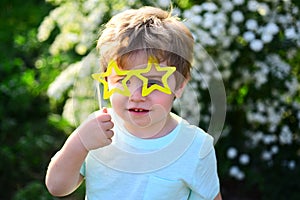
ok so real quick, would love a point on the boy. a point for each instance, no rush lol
(138, 149)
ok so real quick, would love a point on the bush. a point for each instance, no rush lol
(250, 46)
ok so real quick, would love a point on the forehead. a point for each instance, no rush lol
(135, 60)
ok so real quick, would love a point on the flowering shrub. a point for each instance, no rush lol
(255, 46)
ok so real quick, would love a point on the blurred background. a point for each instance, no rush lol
(47, 56)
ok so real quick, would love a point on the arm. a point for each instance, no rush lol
(63, 174)
(218, 197)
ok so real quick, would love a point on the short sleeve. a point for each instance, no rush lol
(82, 169)
(205, 183)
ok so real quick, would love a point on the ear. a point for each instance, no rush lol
(178, 92)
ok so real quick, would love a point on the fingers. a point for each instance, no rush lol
(96, 131)
(107, 125)
(104, 118)
(109, 134)
(102, 115)
(108, 137)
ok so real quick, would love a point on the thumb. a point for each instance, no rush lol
(97, 113)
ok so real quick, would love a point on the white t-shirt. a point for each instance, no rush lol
(178, 166)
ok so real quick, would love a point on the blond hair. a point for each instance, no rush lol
(151, 30)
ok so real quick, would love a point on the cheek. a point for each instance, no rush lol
(117, 100)
(165, 100)
(172, 83)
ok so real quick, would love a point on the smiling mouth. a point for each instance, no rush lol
(138, 110)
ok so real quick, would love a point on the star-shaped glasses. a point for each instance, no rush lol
(146, 89)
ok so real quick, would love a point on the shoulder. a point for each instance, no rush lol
(202, 140)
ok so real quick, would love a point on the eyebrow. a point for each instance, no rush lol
(153, 76)
(117, 76)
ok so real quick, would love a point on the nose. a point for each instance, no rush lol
(136, 94)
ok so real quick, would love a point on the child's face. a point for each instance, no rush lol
(143, 116)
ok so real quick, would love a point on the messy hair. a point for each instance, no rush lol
(150, 30)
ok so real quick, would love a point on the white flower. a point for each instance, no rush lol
(272, 128)
(226, 74)
(249, 36)
(227, 6)
(263, 9)
(266, 155)
(197, 19)
(196, 9)
(176, 11)
(292, 85)
(226, 41)
(45, 29)
(235, 172)
(286, 136)
(290, 33)
(273, 117)
(251, 24)
(81, 49)
(208, 21)
(217, 31)
(252, 6)
(232, 153)
(244, 159)
(89, 5)
(271, 28)
(205, 38)
(64, 81)
(237, 16)
(257, 117)
(207, 66)
(209, 6)
(188, 14)
(233, 30)
(292, 164)
(278, 67)
(274, 149)
(95, 17)
(261, 106)
(266, 38)
(164, 3)
(221, 18)
(268, 139)
(260, 78)
(240, 176)
(256, 45)
(238, 2)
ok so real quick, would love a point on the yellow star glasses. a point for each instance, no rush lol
(146, 89)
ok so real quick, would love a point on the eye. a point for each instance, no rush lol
(153, 82)
(119, 80)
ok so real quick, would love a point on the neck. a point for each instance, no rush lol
(157, 130)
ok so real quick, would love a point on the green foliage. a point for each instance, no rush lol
(27, 138)
(255, 45)
(33, 126)
(35, 190)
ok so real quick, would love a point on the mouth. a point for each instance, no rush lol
(138, 110)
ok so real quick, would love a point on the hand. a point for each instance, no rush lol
(96, 131)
